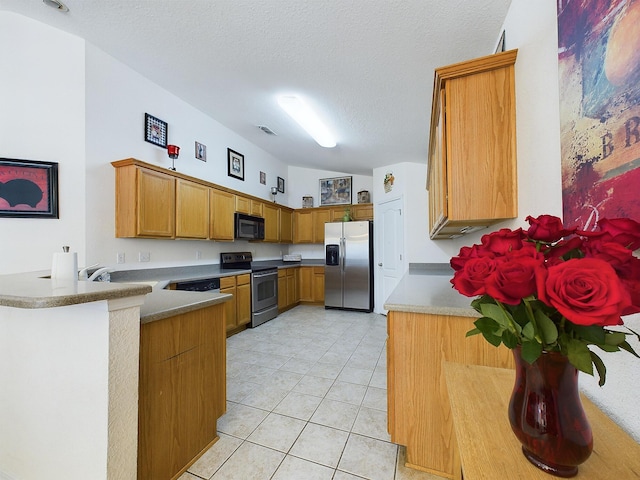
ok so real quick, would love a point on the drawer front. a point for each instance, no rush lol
(227, 282)
(243, 279)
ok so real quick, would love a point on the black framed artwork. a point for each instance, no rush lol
(335, 191)
(28, 188)
(281, 184)
(235, 164)
(155, 130)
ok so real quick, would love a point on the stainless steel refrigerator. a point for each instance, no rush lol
(348, 271)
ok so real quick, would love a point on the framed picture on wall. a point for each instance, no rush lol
(235, 164)
(335, 191)
(28, 188)
(201, 152)
(281, 184)
(155, 130)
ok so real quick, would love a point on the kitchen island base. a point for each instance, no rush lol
(182, 390)
(419, 414)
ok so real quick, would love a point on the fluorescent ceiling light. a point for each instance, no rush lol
(307, 119)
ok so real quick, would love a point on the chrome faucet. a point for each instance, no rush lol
(101, 275)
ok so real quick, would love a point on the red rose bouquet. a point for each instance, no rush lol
(554, 289)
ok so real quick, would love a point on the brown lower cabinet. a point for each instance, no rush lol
(238, 310)
(419, 414)
(312, 285)
(182, 390)
(288, 288)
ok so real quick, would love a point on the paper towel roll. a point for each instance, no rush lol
(64, 266)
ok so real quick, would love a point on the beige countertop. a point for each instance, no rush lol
(31, 290)
(35, 290)
(422, 290)
(161, 304)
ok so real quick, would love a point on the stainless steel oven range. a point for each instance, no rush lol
(264, 285)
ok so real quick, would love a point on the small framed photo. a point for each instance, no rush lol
(155, 130)
(335, 191)
(28, 188)
(235, 167)
(281, 184)
(201, 152)
(263, 178)
(307, 201)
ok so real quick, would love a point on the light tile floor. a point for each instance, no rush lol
(307, 400)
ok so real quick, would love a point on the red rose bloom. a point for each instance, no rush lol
(503, 241)
(547, 228)
(586, 291)
(564, 246)
(470, 280)
(467, 253)
(624, 231)
(514, 278)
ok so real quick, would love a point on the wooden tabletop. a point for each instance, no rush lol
(488, 448)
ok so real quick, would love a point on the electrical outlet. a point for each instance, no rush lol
(144, 256)
(120, 257)
(198, 254)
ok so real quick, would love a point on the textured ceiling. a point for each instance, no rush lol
(365, 65)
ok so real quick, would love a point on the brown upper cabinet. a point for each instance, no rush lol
(271, 223)
(143, 198)
(285, 217)
(192, 209)
(221, 210)
(471, 177)
(152, 202)
(308, 223)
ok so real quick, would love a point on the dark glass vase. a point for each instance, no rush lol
(546, 414)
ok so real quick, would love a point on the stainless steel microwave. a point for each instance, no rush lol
(249, 227)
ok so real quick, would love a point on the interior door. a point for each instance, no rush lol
(391, 256)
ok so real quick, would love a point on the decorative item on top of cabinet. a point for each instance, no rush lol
(472, 146)
(363, 196)
(173, 151)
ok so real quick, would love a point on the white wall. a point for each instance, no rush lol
(117, 99)
(410, 181)
(306, 181)
(54, 367)
(42, 118)
(531, 27)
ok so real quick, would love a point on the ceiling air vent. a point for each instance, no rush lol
(266, 130)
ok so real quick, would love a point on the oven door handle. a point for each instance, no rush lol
(265, 274)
